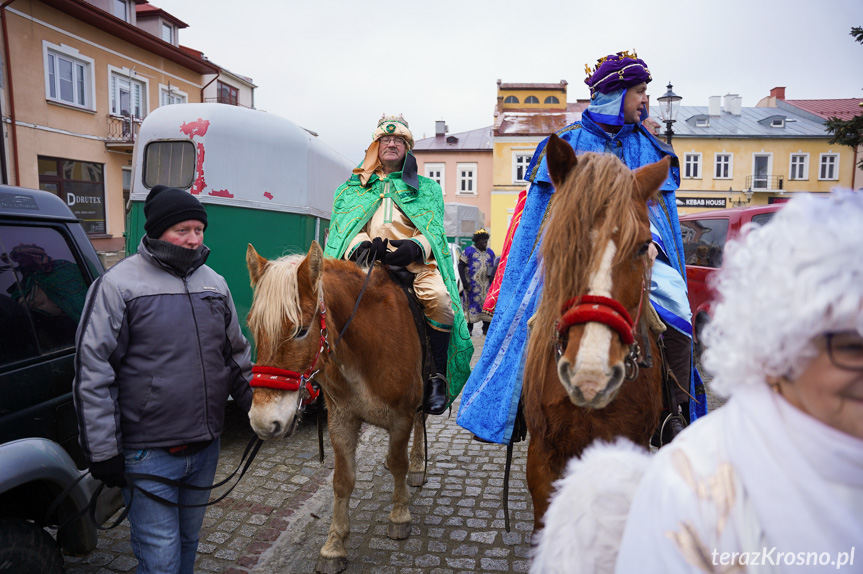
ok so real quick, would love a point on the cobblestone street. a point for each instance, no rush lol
(276, 519)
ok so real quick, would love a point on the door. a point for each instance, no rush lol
(760, 171)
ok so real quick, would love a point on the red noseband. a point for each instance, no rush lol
(595, 309)
(287, 380)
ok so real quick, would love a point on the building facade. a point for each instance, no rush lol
(78, 79)
(461, 163)
(820, 111)
(731, 155)
(524, 115)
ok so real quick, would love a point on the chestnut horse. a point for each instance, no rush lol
(372, 375)
(582, 380)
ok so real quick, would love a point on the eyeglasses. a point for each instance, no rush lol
(398, 141)
(845, 350)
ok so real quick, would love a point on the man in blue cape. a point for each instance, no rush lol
(611, 124)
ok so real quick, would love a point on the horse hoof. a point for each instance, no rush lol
(399, 531)
(331, 565)
(416, 478)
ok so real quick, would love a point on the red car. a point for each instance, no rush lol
(704, 237)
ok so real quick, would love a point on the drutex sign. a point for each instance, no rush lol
(711, 202)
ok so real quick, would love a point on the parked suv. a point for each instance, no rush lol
(704, 238)
(46, 265)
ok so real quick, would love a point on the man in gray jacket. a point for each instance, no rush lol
(159, 351)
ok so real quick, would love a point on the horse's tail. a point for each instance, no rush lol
(585, 520)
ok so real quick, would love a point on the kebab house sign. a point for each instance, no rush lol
(706, 202)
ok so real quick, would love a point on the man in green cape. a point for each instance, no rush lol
(387, 211)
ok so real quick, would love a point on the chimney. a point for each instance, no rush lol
(713, 105)
(734, 105)
(730, 103)
(440, 128)
(778, 93)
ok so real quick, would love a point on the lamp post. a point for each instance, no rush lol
(669, 105)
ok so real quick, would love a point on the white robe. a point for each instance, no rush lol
(755, 476)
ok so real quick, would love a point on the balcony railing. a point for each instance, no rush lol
(230, 102)
(770, 182)
(122, 129)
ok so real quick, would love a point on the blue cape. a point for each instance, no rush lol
(491, 394)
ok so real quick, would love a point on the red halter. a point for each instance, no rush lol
(287, 380)
(597, 309)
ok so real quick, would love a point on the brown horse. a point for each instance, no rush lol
(582, 380)
(372, 375)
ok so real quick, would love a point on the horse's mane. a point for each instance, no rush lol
(277, 297)
(593, 206)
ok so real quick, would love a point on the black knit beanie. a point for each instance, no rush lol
(167, 206)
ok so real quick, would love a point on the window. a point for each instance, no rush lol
(169, 96)
(531, 100)
(799, 166)
(44, 291)
(511, 100)
(437, 172)
(692, 165)
(829, 166)
(723, 166)
(466, 179)
(777, 123)
(552, 100)
(121, 10)
(167, 33)
(128, 96)
(520, 161)
(68, 76)
(228, 94)
(761, 171)
(170, 163)
(703, 241)
(81, 185)
(702, 122)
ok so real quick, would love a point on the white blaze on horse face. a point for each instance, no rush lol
(591, 373)
(275, 416)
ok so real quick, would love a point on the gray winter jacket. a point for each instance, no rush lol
(158, 355)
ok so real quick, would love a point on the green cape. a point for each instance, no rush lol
(421, 200)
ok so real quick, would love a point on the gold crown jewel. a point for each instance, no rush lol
(385, 119)
(621, 55)
(480, 231)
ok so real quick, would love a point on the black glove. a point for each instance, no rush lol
(111, 471)
(406, 253)
(370, 251)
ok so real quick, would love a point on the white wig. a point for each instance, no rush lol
(784, 284)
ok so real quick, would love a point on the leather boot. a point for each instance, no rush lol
(436, 389)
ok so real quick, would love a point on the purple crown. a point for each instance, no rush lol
(615, 72)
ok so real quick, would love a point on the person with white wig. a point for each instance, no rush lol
(773, 480)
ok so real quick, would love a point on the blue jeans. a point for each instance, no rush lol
(165, 539)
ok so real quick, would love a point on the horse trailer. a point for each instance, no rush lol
(262, 179)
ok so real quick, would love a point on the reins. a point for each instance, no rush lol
(269, 377)
(132, 479)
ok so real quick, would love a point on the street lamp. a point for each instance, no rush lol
(669, 104)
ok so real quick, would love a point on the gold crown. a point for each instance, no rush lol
(591, 71)
(385, 119)
(480, 231)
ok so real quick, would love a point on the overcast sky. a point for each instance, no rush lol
(334, 66)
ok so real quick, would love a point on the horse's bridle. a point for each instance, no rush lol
(287, 380)
(609, 312)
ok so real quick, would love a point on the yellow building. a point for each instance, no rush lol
(731, 156)
(79, 77)
(524, 115)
